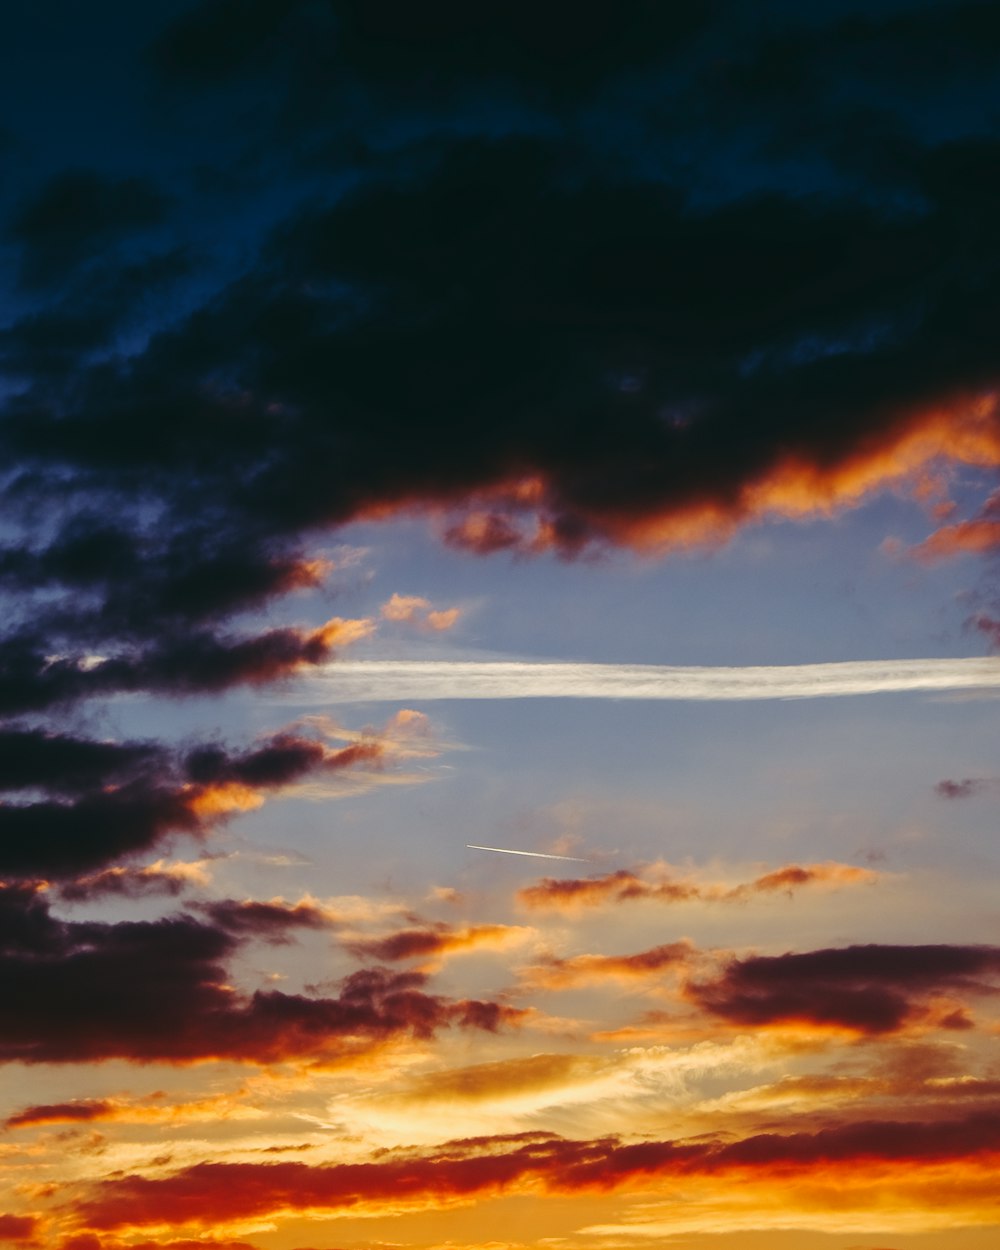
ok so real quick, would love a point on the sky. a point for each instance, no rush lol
(500, 612)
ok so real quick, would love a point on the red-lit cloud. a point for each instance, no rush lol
(18, 1228)
(81, 1111)
(214, 1193)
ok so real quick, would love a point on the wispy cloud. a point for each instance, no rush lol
(378, 680)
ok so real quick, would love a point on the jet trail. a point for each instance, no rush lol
(390, 680)
(504, 850)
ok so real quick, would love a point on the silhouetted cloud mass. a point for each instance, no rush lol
(159, 990)
(870, 989)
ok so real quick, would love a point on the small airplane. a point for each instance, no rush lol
(506, 850)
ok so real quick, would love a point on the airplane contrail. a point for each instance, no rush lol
(505, 850)
(389, 680)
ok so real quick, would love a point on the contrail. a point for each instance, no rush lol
(389, 680)
(505, 850)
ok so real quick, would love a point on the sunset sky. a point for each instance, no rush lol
(563, 428)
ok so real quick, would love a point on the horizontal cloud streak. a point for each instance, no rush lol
(380, 680)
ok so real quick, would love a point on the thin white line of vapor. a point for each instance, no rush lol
(506, 850)
(364, 681)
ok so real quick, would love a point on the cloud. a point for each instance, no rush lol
(562, 974)
(476, 1169)
(196, 663)
(759, 357)
(968, 786)
(95, 303)
(75, 213)
(379, 680)
(439, 940)
(869, 990)
(18, 1228)
(503, 1079)
(87, 1241)
(61, 1113)
(271, 921)
(146, 794)
(964, 537)
(415, 610)
(559, 52)
(37, 759)
(159, 991)
(661, 883)
(156, 1108)
(159, 878)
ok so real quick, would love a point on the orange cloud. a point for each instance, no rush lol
(978, 535)
(658, 883)
(306, 756)
(415, 610)
(561, 974)
(439, 940)
(792, 876)
(975, 536)
(340, 632)
(899, 453)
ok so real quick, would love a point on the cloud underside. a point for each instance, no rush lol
(534, 363)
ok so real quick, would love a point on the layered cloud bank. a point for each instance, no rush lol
(545, 281)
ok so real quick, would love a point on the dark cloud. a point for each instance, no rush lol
(270, 921)
(159, 991)
(125, 881)
(57, 838)
(196, 662)
(577, 358)
(58, 338)
(546, 346)
(36, 758)
(989, 626)
(216, 38)
(555, 52)
(77, 214)
(868, 989)
(968, 786)
(104, 801)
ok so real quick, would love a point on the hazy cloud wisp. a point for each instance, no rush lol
(378, 680)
